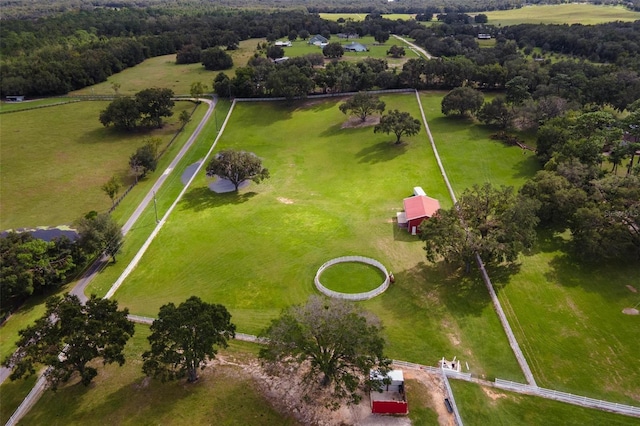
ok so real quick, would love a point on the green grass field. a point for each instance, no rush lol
(479, 405)
(302, 47)
(567, 316)
(30, 104)
(357, 17)
(352, 277)
(51, 155)
(163, 72)
(572, 13)
(305, 215)
(224, 395)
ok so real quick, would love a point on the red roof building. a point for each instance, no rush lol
(417, 209)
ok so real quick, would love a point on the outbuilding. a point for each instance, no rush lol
(417, 209)
(391, 399)
(318, 40)
(355, 47)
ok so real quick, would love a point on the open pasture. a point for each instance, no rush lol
(378, 51)
(356, 17)
(567, 316)
(333, 191)
(570, 13)
(51, 156)
(225, 394)
(479, 406)
(163, 72)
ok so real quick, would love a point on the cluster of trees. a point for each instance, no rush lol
(55, 55)
(31, 266)
(21, 9)
(334, 341)
(574, 191)
(145, 109)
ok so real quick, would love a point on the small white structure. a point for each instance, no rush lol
(283, 43)
(417, 190)
(451, 365)
(281, 60)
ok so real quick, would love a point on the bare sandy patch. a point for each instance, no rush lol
(493, 395)
(356, 122)
(435, 386)
(285, 200)
(632, 289)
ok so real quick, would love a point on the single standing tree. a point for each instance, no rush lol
(398, 123)
(183, 338)
(215, 59)
(333, 50)
(496, 113)
(396, 51)
(381, 36)
(69, 336)
(111, 188)
(198, 89)
(99, 234)
(145, 159)
(123, 113)
(237, 166)
(184, 118)
(332, 341)
(362, 104)
(462, 101)
(275, 52)
(498, 225)
(154, 104)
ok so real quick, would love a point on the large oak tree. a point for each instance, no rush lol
(496, 223)
(69, 336)
(237, 166)
(334, 344)
(399, 123)
(362, 104)
(184, 337)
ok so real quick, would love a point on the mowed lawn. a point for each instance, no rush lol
(567, 316)
(55, 159)
(479, 405)
(333, 191)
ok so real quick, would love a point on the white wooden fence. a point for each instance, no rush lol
(352, 296)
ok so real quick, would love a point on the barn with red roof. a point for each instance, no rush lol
(416, 209)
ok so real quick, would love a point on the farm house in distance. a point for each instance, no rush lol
(416, 209)
(392, 399)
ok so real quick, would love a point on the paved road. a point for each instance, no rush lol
(99, 264)
(80, 287)
(415, 47)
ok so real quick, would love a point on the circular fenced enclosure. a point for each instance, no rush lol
(352, 296)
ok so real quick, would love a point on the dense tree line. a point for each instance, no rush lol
(20, 9)
(30, 266)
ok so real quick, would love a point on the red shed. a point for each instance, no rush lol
(391, 399)
(417, 209)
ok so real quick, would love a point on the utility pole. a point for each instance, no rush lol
(155, 206)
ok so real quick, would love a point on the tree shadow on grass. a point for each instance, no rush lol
(134, 393)
(402, 234)
(527, 167)
(607, 277)
(446, 284)
(317, 105)
(203, 198)
(382, 151)
(453, 124)
(333, 131)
